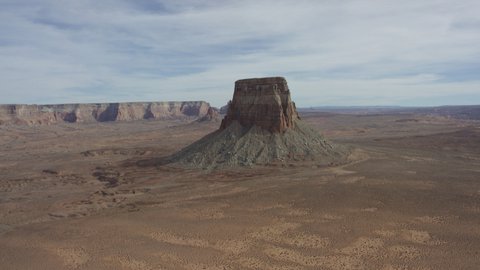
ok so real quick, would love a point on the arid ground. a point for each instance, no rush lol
(75, 196)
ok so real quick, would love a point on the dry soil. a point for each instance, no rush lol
(86, 196)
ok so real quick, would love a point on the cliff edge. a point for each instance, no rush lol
(100, 112)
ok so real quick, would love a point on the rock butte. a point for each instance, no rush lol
(262, 102)
(261, 127)
(100, 112)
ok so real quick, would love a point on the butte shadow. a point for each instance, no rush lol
(262, 127)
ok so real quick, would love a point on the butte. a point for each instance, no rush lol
(261, 127)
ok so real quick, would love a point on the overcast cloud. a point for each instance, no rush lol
(332, 52)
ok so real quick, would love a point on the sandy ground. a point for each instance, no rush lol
(73, 197)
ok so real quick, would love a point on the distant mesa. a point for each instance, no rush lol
(261, 126)
(212, 115)
(101, 112)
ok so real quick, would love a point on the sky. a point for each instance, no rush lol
(332, 52)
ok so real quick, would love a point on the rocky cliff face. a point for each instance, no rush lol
(100, 112)
(261, 127)
(262, 102)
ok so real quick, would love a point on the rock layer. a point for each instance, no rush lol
(100, 112)
(262, 102)
(261, 127)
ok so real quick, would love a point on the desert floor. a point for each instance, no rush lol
(74, 197)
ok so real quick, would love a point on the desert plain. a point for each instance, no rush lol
(91, 196)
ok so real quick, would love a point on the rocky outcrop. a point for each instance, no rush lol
(261, 127)
(100, 112)
(262, 102)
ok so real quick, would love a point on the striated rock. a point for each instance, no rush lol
(100, 112)
(261, 127)
(262, 102)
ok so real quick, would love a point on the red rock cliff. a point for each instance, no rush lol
(262, 102)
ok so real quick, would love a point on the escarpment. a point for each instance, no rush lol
(100, 112)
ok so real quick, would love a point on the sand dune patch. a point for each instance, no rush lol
(176, 239)
(207, 212)
(403, 252)
(273, 232)
(127, 262)
(73, 258)
(385, 233)
(369, 209)
(289, 255)
(364, 247)
(232, 246)
(303, 240)
(332, 261)
(254, 263)
(431, 219)
(202, 266)
(418, 237)
(352, 180)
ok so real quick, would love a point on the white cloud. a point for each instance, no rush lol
(332, 52)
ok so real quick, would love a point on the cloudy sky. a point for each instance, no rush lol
(332, 52)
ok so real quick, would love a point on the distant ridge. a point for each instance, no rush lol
(465, 112)
(21, 114)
